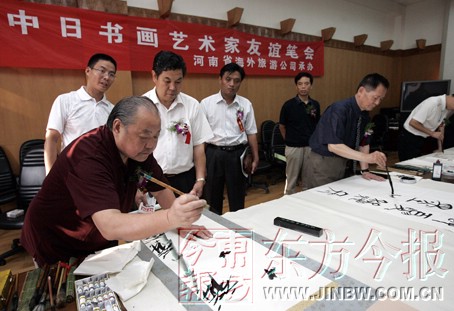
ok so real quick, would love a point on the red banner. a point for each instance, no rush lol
(48, 36)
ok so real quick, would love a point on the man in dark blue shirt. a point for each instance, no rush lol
(337, 136)
(297, 122)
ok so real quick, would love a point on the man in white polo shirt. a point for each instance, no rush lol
(426, 120)
(74, 113)
(184, 128)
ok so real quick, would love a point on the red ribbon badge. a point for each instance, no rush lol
(188, 138)
(240, 124)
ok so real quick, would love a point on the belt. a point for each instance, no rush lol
(227, 148)
(170, 175)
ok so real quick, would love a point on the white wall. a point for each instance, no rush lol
(380, 20)
(424, 20)
(447, 64)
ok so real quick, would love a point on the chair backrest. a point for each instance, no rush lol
(29, 145)
(266, 132)
(31, 177)
(277, 142)
(8, 185)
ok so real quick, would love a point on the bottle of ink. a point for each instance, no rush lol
(437, 169)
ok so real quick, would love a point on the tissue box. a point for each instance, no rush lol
(92, 292)
(15, 213)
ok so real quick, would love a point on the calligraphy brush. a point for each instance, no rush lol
(41, 306)
(15, 298)
(162, 184)
(61, 291)
(389, 177)
(57, 274)
(390, 181)
(39, 287)
(51, 296)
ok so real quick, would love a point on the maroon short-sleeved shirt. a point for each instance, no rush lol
(88, 176)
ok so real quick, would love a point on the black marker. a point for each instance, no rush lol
(298, 226)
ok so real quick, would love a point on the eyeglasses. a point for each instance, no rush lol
(102, 71)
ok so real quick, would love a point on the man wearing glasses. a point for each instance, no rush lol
(77, 112)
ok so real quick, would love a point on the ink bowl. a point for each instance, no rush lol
(448, 171)
(408, 180)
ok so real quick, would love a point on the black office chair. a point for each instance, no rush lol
(28, 145)
(278, 153)
(8, 184)
(8, 193)
(262, 168)
(266, 132)
(31, 177)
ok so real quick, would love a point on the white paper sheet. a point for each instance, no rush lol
(132, 279)
(426, 161)
(154, 296)
(110, 260)
(418, 257)
(233, 272)
(429, 206)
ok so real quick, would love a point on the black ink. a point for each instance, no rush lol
(409, 211)
(442, 206)
(162, 249)
(223, 253)
(331, 191)
(271, 273)
(364, 199)
(218, 291)
(449, 223)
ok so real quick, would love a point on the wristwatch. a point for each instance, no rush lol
(201, 179)
(366, 170)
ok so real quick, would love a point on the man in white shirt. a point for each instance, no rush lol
(426, 120)
(77, 112)
(232, 120)
(184, 129)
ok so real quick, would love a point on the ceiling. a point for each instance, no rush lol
(406, 2)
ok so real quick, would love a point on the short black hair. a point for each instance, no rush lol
(168, 60)
(231, 68)
(372, 81)
(100, 56)
(126, 109)
(304, 74)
